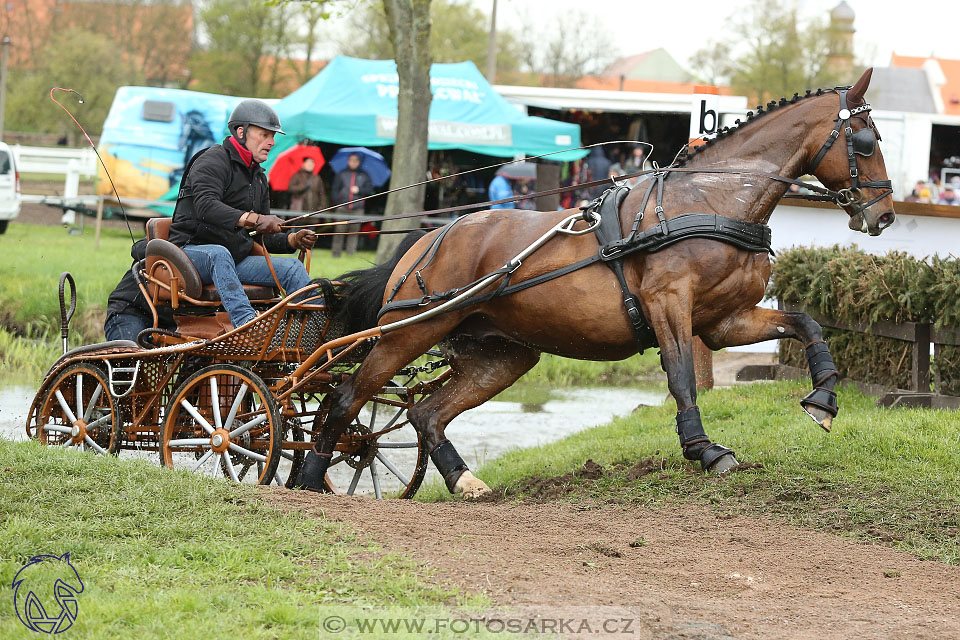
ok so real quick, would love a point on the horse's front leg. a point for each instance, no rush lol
(670, 319)
(759, 324)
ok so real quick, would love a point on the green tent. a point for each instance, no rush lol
(354, 102)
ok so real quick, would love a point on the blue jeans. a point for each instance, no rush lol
(216, 266)
(126, 326)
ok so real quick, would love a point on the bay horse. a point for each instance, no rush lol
(696, 287)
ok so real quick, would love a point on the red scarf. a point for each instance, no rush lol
(245, 154)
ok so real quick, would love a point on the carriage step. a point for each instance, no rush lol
(125, 381)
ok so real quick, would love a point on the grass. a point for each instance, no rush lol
(172, 555)
(882, 475)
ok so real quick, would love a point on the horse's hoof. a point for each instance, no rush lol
(820, 416)
(470, 487)
(717, 459)
(724, 464)
(821, 405)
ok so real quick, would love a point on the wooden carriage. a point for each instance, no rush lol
(243, 403)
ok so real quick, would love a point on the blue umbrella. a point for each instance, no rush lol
(371, 162)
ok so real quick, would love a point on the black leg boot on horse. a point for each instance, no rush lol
(672, 326)
(759, 324)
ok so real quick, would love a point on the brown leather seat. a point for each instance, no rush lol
(190, 284)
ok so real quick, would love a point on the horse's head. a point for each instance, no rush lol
(849, 161)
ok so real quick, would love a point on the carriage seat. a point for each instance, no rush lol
(159, 248)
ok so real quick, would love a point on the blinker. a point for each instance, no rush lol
(864, 142)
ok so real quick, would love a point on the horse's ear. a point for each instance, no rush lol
(856, 92)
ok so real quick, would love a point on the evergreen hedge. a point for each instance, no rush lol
(852, 286)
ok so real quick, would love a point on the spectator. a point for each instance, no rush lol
(306, 189)
(499, 189)
(915, 194)
(599, 168)
(350, 184)
(635, 163)
(948, 196)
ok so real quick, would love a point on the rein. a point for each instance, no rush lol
(825, 195)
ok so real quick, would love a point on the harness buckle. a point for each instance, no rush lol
(514, 266)
(610, 251)
(424, 301)
(854, 173)
(835, 134)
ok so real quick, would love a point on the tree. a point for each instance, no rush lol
(155, 35)
(66, 62)
(312, 13)
(247, 38)
(564, 49)
(771, 53)
(458, 32)
(713, 62)
(409, 23)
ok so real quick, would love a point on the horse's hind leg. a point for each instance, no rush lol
(482, 368)
(759, 324)
(393, 351)
(672, 324)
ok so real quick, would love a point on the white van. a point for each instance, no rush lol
(9, 187)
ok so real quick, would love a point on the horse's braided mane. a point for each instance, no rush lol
(689, 152)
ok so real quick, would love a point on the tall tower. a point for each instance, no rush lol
(840, 60)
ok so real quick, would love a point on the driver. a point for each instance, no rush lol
(224, 197)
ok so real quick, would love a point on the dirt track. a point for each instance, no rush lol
(691, 572)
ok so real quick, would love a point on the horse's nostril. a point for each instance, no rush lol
(886, 218)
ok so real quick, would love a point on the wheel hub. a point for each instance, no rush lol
(220, 440)
(363, 451)
(79, 431)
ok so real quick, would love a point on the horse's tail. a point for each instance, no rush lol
(362, 293)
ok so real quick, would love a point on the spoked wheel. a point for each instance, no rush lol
(381, 454)
(79, 412)
(222, 421)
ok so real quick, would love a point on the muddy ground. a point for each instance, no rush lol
(675, 572)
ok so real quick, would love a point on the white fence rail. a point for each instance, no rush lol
(56, 160)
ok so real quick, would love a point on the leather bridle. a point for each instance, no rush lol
(857, 144)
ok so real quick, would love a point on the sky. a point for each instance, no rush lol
(916, 28)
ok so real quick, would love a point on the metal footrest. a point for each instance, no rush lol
(123, 378)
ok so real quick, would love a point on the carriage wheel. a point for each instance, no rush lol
(381, 454)
(222, 420)
(79, 412)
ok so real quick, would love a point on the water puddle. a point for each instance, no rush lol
(526, 416)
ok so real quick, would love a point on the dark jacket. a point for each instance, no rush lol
(216, 191)
(341, 187)
(127, 298)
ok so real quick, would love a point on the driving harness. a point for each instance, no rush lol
(614, 247)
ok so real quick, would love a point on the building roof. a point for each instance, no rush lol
(901, 89)
(950, 90)
(656, 64)
(604, 83)
(843, 11)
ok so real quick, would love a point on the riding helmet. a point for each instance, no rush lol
(254, 112)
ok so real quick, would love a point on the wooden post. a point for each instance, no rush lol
(96, 235)
(920, 371)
